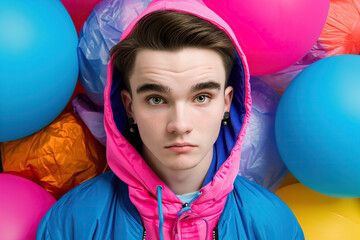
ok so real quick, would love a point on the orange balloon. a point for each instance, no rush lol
(58, 157)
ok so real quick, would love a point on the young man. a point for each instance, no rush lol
(177, 104)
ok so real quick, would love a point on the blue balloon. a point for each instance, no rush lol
(38, 65)
(317, 126)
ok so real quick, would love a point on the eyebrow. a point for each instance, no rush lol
(205, 85)
(152, 87)
(148, 87)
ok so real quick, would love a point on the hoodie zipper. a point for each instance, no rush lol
(144, 234)
(215, 233)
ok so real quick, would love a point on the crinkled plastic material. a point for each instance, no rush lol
(280, 80)
(101, 31)
(58, 157)
(92, 117)
(340, 35)
(260, 159)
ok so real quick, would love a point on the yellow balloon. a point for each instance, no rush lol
(320, 216)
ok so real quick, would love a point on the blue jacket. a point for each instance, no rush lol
(101, 209)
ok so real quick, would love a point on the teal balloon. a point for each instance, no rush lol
(38, 65)
(317, 126)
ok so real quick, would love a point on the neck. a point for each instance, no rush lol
(183, 181)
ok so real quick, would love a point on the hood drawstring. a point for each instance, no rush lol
(161, 216)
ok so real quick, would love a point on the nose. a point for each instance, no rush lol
(179, 121)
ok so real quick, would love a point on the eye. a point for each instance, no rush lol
(202, 98)
(155, 100)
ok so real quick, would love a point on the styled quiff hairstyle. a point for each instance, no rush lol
(171, 30)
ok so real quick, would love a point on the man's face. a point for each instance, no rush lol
(178, 102)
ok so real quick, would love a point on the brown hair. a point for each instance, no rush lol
(170, 30)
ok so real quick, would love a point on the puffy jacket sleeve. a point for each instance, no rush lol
(54, 227)
(97, 209)
(43, 232)
(257, 213)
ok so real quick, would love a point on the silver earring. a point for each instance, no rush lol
(131, 123)
(225, 118)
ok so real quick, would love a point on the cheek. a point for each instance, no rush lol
(211, 116)
(208, 124)
(146, 121)
(149, 125)
(209, 121)
(143, 116)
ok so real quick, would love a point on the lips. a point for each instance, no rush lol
(181, 147)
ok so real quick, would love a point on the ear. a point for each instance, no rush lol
(229, 91)
(127, 101)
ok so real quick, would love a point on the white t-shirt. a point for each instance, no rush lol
(186, 198)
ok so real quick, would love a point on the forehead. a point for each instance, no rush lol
(185, 66)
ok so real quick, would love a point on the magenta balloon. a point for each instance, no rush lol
(23, 203)
(274, 34)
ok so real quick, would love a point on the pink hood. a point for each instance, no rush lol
(129, 166)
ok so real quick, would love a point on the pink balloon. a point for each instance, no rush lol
(23, 203)
(274, 34)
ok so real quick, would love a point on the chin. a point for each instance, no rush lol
(183, 163)
(182, 167)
